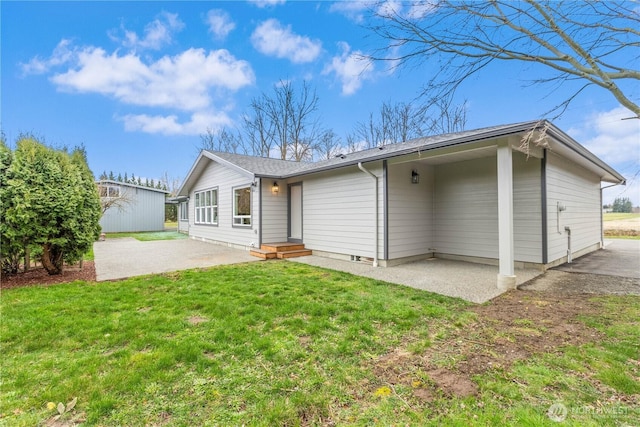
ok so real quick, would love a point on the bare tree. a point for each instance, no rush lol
(590, 42)
(441, 116)
(114, 196)
(288, 118)
(225, 140)
(171, 183)
(328, 146)
(401, 122)
(258, 130)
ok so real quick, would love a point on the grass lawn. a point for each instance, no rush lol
(281, 343)
(619, 216)
(150, 235)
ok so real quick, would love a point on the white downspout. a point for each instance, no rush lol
(375, 178)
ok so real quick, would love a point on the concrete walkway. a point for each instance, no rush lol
(620, 258)
(472, 282)
(128, 257)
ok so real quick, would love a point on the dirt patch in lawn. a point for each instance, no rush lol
(39, 276)
(510, 328)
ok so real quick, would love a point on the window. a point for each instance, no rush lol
(184, 211)
(111, 191)
(206, 207)
(242, 206)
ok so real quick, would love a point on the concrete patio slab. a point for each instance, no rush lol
(127, 257)
(469, 281)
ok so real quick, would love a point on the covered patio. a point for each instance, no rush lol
(470, 281)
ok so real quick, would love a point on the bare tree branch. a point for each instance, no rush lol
(594, 41)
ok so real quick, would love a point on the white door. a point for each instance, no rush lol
(295, 212)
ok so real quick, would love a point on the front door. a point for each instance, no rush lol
(295, 213)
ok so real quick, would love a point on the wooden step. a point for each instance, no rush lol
(282, 247)
(293, 253)
(260, 253)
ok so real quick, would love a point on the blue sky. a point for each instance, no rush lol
(138, 82)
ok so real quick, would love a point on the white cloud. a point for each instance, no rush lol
(353, 10)
(220, 23)
(612, 139)
(169, 125)
(62, 54)
(271, 38)
(617, 142)
(157, 33)
(267, 3)
(183, 81)
(351, 68)
(356, 10)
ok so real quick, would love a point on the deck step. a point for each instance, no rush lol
(282, 247)
(280, 250)
(293, 254)
(260, 253)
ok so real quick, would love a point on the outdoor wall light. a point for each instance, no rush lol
(275, 188)
(415, 177)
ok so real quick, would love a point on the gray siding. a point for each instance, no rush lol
(274, 212)
(410, 210)
(144, 213)
(225, 180)
(579, 191)
(466, 208)
(338, 211)
(527, 208)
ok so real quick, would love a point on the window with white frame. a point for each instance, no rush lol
(242, 206)
(184, 211)
(206, 207)
(109, 191)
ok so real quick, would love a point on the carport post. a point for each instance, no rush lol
(506, 275)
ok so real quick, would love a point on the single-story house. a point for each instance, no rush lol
(132, 208)
(475, 195)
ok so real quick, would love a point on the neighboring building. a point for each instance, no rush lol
(134, 207)
(470, 195)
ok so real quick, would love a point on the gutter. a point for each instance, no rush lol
(375, 179)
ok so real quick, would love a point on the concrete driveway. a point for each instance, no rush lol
(619, 258)
(128, 257)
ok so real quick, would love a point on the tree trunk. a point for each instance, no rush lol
(27, 257)
(52, 259)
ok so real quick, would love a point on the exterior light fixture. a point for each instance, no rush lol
(275, 189)
(415, 177)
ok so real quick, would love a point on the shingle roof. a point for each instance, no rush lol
(282, 169)
(275, 168)
(259, 166)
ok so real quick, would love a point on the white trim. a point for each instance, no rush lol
(506, 276)
(206, 213)
(242, 218)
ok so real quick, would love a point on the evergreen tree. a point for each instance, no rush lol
(622, 205)
(111, 176)
(56, 203)
(11, 243)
